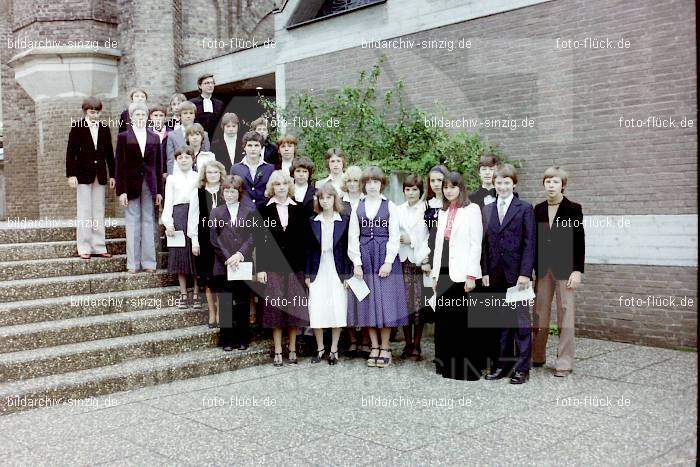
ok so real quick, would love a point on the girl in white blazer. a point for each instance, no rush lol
(456, 266)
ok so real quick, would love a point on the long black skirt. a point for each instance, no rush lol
(459, 350)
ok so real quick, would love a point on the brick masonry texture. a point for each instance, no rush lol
(575, 98)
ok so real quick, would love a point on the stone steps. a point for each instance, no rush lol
(73, 328)
(132, 374)
(91, 354)
(53, 333)
(59, 286)
(52, 231)
(43, 268)
(59, 308)
(52, 250)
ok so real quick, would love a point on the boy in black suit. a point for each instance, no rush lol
(228, 148)
(487, 193)
(136, 95)
(560, 257)
(269, 151)
(509, 257)
(89, 167)
(209, 109)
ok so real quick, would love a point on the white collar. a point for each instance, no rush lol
(230, 137)
(508, 199)
(435, 203)
(346, 197)
(336, 217)
(247, 162)
(381, 198)
(286, 203)
(209, 189)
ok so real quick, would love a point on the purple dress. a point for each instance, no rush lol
(385, 306)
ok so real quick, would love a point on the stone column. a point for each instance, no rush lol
(58, 79)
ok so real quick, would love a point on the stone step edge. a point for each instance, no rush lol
(27, 364)
(106, 276)
(56, 243)
(87, 321)
(58, 351)
(66, 299)
(133, 374)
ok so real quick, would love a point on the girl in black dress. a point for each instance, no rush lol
(281, 255)
(208, 196)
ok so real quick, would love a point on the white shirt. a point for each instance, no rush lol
(327, 230)
(253, 169)
(285, 166)
(141, 138)
(507, 201)
(93, 126)
(193, 213)
(203, 158)
(180, 187)
(207, 106)
(371, 209)
(231, 146)
(353, 202)
(412, 223)
(337, 183)
(300, 192)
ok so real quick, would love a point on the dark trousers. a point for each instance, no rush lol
(234, 313)
(515, 335)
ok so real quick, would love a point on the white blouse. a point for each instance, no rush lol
(412, 223)
(371, 209)
(179, 189)
(193, 214)
(353, 202)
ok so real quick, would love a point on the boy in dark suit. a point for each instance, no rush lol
(509, 257)
(253, 170)
(269, 152)
(228, 148)
(209, 109)
(176, 138)
(139, 183)
(232, 240)
(89, 167)
(487, 193)
(136, 95)
(561, 252)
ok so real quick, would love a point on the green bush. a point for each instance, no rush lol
(377, 129)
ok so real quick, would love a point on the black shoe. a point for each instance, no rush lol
(228, 348)
(497, 374)
(277, 361)
(242, 346)
(519, 377)
(333, 358)
(319, 356)
(538, 364)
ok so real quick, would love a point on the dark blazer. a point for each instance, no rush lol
(254, 188)
(509, 248)
(124, 121)
(209, 120)
(307, 204)
(83, 160)
(479, 195)
(561, 248)
(220, 150)
(132, 168)
(270, 154)
(281, 250)
(343, 265)
(227, 237)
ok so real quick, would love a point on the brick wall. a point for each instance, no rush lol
(575, 98)
(512, 70)
(222, 20)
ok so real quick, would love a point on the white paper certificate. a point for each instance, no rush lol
(244, 272)
(177, 239)
(358, 287)
(513, 294)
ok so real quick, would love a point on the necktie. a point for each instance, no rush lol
(213, 199)
(501, 210)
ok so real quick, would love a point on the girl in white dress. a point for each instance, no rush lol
(327, 267)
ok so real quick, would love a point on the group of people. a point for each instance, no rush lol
(444, 255)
